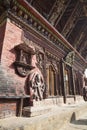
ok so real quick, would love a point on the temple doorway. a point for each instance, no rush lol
(68, 81)
(51, 81)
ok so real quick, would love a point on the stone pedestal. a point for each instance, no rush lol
(73, 100)
(70, 100)
(79, 98)
(42, 107)
(35, 111)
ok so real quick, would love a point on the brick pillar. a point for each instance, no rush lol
(11, 85)
(12, 37)
(2, 34)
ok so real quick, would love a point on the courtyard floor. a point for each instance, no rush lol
(64, 117)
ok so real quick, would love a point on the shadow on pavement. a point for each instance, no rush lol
(79, 121)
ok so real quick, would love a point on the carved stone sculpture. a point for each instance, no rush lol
(23, 59)
(70, 58)
(36, 86)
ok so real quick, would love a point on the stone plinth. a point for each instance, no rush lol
(70, 100)
(49, 102)
(35, 111)
(42, 107)
(79, 98)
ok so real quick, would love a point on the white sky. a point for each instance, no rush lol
(86, 72)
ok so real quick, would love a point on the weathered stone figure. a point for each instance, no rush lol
(36, 86)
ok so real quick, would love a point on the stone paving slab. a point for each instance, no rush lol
(57, 119)
(80, 124)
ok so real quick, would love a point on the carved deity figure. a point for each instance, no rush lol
(70, 57)
(36, 86)
(40, 60)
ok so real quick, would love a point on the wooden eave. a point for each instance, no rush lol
(36, 14)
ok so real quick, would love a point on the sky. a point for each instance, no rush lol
(86, 72)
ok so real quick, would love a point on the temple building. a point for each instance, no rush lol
(43, 54)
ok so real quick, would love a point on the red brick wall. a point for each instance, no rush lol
(7, 108)
(11, 84)
(2, 32)
(13, 37)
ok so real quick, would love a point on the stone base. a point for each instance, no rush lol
(42, 107)
(49, 102)
(35, 111)
(74, 99)
(79, 98)
(70, 100)
(54, 120)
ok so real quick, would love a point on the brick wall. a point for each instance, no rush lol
(16, 84)
(11, 84)
(7, 108)
(13, 37)
(2, 33)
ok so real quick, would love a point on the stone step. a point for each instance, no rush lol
(41, 107)
(36, 111)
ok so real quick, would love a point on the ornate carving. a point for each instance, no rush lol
(56, 11)
(23, 60)
(70, 58)
(52, 60)
(78, 12)
(5, 3)
(69, 26)
(30, 20)
(52, 57)
(36, 86)
(40, 60)
(79, 39)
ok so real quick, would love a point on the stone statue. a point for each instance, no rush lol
(36, 86)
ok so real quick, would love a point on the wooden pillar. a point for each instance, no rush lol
(56, 92)
(73, 79)
(52, 82)
(60, 80)
(21, 106)
(79, 82)
(47, 82)
(63, 83)
(46, 77)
